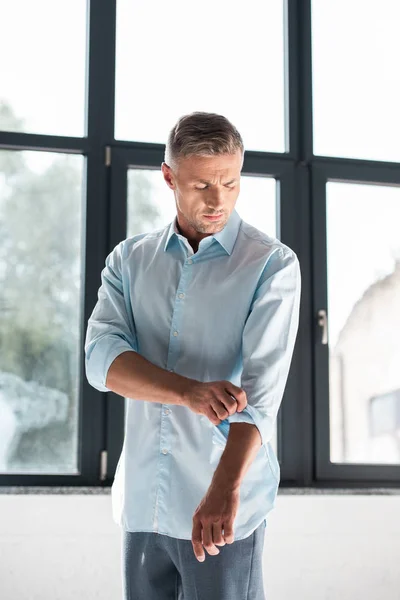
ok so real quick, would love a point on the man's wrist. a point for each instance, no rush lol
(225, 480)
(241, 449)
(181, 387)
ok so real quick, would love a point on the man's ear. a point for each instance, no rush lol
(166, 171)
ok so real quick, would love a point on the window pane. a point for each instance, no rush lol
(40, 290)
(151, 205)
(42, 66)
(173, 58)
(363, 250)
(356, 79)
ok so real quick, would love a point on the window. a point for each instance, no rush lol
(223, 63)
(89, 93)
(42, 72)
(363, 292)
(41, 223)
(356, 81)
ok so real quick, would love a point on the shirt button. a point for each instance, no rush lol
(165, 451)
(166, 411)
(181, 296)
(190, 261)
(171, 370)
(175, 333)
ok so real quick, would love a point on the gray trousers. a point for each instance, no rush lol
(160, 567)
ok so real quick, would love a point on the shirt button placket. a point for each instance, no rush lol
(172, 357)
(175, 334)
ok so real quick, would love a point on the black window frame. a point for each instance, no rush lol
(303, 433)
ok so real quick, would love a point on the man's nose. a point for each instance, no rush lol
(215, 201)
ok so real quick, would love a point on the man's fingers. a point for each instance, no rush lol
(228, 532)
(196, 541)
(212, 416)
(239, 394)
(207, 539)
(221, 409)
(218, 538)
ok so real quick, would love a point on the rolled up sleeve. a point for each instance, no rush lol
(268, 341)
(111, 328)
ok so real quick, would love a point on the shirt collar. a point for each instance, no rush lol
(226, 237)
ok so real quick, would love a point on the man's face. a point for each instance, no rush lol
(204, 185)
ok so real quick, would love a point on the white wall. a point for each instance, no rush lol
(322, 547)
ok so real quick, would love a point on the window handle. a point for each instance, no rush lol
(323, 322)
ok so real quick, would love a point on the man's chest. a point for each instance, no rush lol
(200, 302)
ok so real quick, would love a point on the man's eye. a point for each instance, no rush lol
(230, 187)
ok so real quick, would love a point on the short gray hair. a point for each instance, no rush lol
(201, 134)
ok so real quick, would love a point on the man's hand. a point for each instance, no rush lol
(217, 400)
(216, 512)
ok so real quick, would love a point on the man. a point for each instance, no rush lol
(195, 325)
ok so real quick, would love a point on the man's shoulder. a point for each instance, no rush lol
(266, 243)
(140, 239)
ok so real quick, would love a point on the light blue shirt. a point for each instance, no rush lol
(229, 311)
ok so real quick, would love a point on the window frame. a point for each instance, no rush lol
(324, 171)
(303, 445)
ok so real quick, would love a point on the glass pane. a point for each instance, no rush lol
(356, 79)
(151, 205)
(42, 66)
(40, 290)
(363, 247)
(234, 66)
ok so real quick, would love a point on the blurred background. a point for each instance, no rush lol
(88, 94)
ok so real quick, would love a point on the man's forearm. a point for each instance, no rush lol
(244, 441)
(133, 376)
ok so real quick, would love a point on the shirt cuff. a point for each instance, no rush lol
(252, 415)
(104, 352)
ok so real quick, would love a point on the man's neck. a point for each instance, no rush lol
(194, 244)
